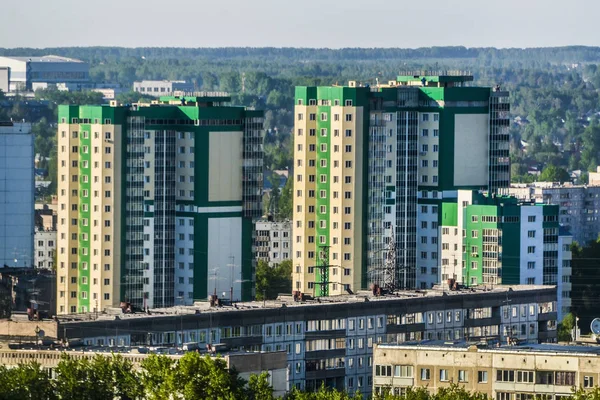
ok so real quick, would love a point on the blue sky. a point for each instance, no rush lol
(318, 23)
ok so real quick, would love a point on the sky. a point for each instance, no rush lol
(306, 23)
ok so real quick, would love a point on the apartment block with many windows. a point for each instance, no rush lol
(492, 240)
(157, 202)
(522, 372)
(372, 166)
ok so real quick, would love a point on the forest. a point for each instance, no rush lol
(554, 93)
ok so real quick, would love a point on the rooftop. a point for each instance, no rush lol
(544, 348)
(288, 301)
(48, 58)
(435, 76)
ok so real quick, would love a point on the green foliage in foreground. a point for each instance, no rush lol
(192, 377)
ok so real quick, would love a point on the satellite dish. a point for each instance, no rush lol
(595, 326)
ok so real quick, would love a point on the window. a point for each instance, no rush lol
(425, 374)
(588, 381)
(530, 249)
(462, 376)
(425, 117)
(444, 375)
(482, 376)
(348, 117)
(531, 265)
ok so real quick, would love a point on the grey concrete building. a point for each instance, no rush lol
(579, 206)
(273, 241)
(329, 340)
(16, 194)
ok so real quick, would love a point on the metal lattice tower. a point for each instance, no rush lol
(323, 269)
(390, 270)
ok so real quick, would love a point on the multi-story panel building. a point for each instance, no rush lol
(44, 249)
(157, 202)
(372, 167)
(491, 240)
(273, 241)
(16, 195)
(522, 372)
(329, 341)
(579, 206)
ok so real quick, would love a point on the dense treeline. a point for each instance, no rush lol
(554, 92)
(192, 377)
(545, 54)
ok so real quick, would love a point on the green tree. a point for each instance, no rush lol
(203, 377)
(270, 281)
(565, 327)
(554, 174)
(259, 387)
(158, 377)
(26, 381)
(286, 200)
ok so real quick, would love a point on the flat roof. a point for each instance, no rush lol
(286, 300)
(543, 348)
(49, 58)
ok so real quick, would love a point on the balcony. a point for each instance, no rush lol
(326, 373)
(322, 354)
(547, 316)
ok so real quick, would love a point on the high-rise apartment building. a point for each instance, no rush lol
(492, 240)
(157, 202)
(372, 166)
(16, 195)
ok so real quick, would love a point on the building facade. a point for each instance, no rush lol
(157, 202)
(372, 166)
(273, 241)
(30, 73)
(522, 372)
(44, 249)
(579, 206)
(162, 88)
(16, 195)
(328, 342)
(492, 240)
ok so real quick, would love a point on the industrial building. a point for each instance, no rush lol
(372, 167)
(521, 372)
(157, 202)
(492, 240)
(16, 195)
(328, 340)
(30, 73)
(162, 88)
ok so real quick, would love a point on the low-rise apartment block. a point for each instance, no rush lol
(327, 341)
(523, 372)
